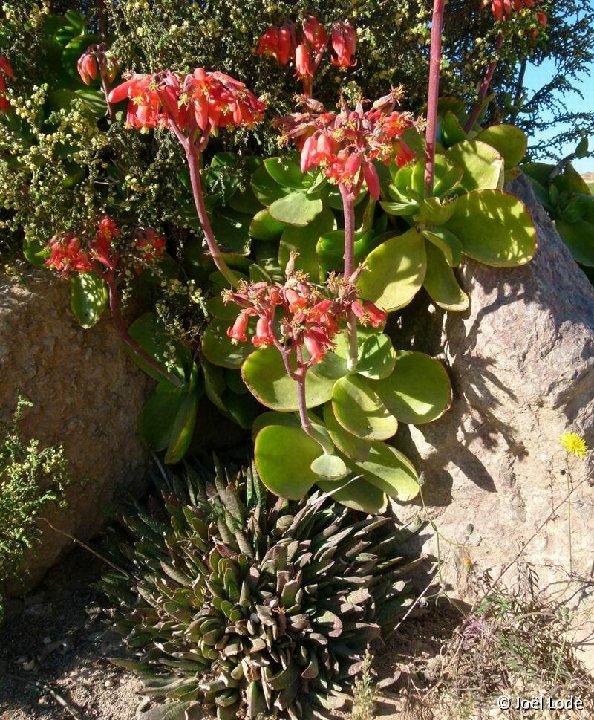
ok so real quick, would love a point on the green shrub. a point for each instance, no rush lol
(30, 479)
(251, 604)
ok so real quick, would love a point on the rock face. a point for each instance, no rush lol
(86, 393)
(522, 365)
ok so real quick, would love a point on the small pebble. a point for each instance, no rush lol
(108, 683)
(47, 640)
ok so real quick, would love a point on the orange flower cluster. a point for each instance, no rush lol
(300, 313)
(201, 101)
(504, 9)
(345, 144)
(68, 254)
(307, 44)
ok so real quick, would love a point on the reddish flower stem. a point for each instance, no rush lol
(348, 204)
(483, 90)
(106, 90)
(193, 154)
(136, 347)
(433, 95)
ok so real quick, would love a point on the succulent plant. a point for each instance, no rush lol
(251, 605)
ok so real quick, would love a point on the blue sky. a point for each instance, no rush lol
(536, 77)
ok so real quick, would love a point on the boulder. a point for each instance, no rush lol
(496, 478)
(86, 394)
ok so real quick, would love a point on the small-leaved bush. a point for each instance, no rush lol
(31, 478)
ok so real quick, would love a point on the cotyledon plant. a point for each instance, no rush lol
(252, 605)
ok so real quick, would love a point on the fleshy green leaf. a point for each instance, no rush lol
(418, 391)
(265, 227)
(494, 227)
(265, 188)
(376, 357)
(295, 209)
(304, 240)
(390, 471)
(360, 410)
(219, 349)
(283, 459)
(151, 334)
(579, 238)
(265, 375)
(483, 165)
(394, 271)
(182, 428)
(287, 172)
(451, 129)
(356, 493)
(447, 242)
(509, 141)
(88, 298)
(440, 282)
(158, 415)
(329, 467)
(347, 443)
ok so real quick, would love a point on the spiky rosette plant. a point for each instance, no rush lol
(253, 605)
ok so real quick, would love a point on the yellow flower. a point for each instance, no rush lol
(574, 444)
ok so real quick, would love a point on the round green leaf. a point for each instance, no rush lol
(394, 271)
(265, 188)
(150, 333)
(347, 443)
(483, 165)
(494, 227)
(219, 349)
(283, 458)
(440, 282)
(265, 375)
(214, 384)
(356, 493)
(447, 242)
(265, 227)
(287, 172)
(390, 471)
(329, 467)
(509, 141)
(451, 129)
(295, 209)
(579, 238)
(376, 357)
(304, 240)
(418, 391)
(360, 411)
(88, 298)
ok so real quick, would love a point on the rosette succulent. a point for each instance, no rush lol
(250, 605)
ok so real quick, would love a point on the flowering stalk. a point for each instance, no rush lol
(348, 204)
(96, 62)
(192, 107)
(120, 326)
(433, 95)
(502, 11)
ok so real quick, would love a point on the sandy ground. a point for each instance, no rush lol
(54, 650)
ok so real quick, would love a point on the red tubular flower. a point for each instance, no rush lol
(343, 41)
(6, 67)
(315, 34)
(67, 255)
(203, 100)
(368, 313)
(238, 331)
(102, 248)
(263, 335)
(278, 43)
(5, 70)
(87, 67)
(317, 343)
(304, 66)
(371, 180)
